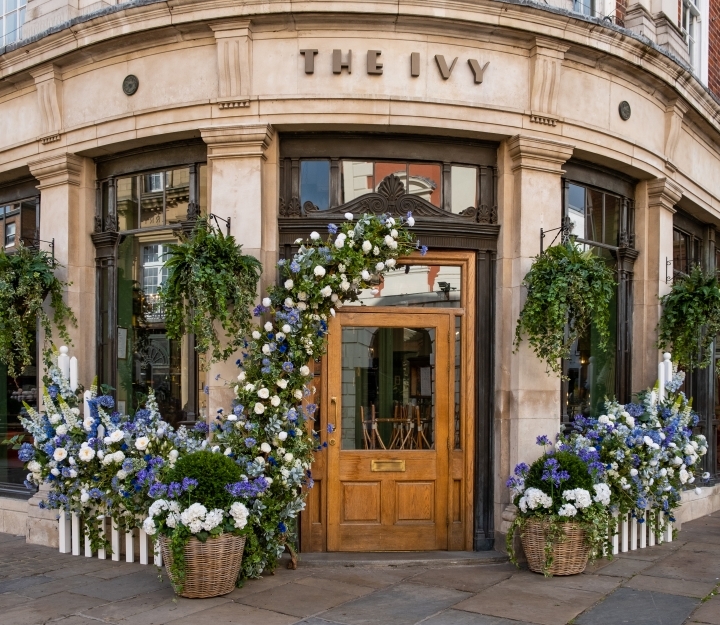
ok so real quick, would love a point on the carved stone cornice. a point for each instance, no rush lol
(546, 59)
(105, 244)
(234, 57)
(539, 154)
(48, 82)
(664, 193)
(237, 141)
(53, 171)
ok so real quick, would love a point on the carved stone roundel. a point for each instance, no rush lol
(130, 84)
(624, 110)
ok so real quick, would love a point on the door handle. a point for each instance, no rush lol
(332, 426)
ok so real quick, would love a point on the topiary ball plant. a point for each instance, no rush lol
(213, 472)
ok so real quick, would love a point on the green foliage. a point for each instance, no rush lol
(210, 280)
(577, 469)
(213, 472)
(27, 277)
(690, 319)
(567, 290)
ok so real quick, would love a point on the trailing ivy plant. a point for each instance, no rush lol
(568, 289)
(27, 277)
(210, 281)
(690, 318)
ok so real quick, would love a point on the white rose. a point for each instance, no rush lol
(88, 423)
(394, 233)
(100, 454)
(107, 440)
(60, 454)
(232, 417)
(266, 302)
(256, 335)
(118, 456)
(86, 454)
(380, 266)
(298, 394)
(283, 436)
(249, 387)
(289, 284)
(390, 262)
(302, 306)
(266, 349)
(349, 216)
(411, 221)
(241, 376)
(365, 274)
(305, 370)
(73, 473)
(265, 448)
(302, 296)
(339, 243)
(55, 471)
(282, 384)
(288, 457)
(174, 453)
(314, 236)
(117, 436)
(376, 250)
(275, 401)
(33, 466)
(289, 302)
(326, 291)
(388, 239)
(263, 393)
(287, 329)
(366, 246)
(121, 475)
(389, 221)
(84, 498)
(319, 271)
(55, 419)
(259, 408)
(61, 430)
(280, 336)
(142, 443)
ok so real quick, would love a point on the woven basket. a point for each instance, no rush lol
(211, 568)
(570, 556)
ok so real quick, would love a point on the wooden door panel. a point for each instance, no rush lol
(361, 502)
(414, 502)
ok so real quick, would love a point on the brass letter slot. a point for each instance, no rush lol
(387, 465)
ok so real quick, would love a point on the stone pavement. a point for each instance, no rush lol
(671, 584)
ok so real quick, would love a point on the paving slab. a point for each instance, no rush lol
(639, 607)
(458, 617)
(593, 583)
(232, 613)
(670, 586)
(170, 610)
(120, 588)
(403, 604)
(11, 599)
(625, 567)
(466, 578)
(531, 600)
(371, 577)
(708, 612)
(116, 611)
(689, 565)
(21, 583)
(47, 608)
(336, 586)
(296, 599)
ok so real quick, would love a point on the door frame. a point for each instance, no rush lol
(461, 471)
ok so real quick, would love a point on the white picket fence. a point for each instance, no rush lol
(632, 534)
(72, 539)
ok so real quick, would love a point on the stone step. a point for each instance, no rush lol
(402, 558)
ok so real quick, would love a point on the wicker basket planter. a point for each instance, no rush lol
(211, 568)
(569, 556)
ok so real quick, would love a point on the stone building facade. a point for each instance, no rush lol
(494, 121)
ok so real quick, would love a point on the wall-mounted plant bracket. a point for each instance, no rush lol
(563, 232)
(668, 278)
(217, 222)
(37, 242)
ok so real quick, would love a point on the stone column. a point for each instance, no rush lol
(527, 399)
(654, 209)
(67, 208)
(243, 186)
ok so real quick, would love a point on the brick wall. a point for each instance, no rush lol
(620, 11)
(714, 48)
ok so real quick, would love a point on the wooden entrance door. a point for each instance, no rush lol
(389, 402)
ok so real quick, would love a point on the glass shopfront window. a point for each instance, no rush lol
(136, 355)
(596, 220)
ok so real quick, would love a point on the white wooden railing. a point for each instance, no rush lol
(632, 534)
(73, 540)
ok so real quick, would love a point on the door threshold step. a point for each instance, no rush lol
(401, 558)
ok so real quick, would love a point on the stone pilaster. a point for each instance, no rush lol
(242, 186)
(527, 400)
(654, 208)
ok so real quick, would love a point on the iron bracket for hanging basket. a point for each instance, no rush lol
(217, 223)
(37, 242)
(563, 232)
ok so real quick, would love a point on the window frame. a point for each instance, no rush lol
(691, 27)
(6, 38)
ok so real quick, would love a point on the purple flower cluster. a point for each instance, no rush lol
(247, 489)
(553, 473)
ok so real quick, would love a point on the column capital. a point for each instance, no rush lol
(664, 193)
(237, 141)
(539, 154)
(53, 171)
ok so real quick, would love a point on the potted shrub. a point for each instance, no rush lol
(200, 519)
(563, 511)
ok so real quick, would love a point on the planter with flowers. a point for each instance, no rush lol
(200, 515)
(563, 511)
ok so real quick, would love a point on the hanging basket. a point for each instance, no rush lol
(211, 568)
(570, 555)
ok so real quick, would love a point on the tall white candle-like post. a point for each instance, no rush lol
(86, 406)
(667, 363)
(73, 374)
(64, 362)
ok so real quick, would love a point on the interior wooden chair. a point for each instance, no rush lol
(371, 437)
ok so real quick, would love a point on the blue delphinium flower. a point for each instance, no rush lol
(26, 452)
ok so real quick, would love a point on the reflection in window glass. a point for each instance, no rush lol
(428, 286)
(388, 388)
(463, 186)
(10, 234)
(576, 209)
(177, 195)
(426, 181)
(151, 201)
(594, 214)
(147, 359)
(315, 183)
(126, 190)
(202, 189)
(357, 179)
(681, 244)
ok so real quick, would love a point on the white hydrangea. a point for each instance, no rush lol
(567, 510)
(212, 519)
(240, 514)
(534, 498)
(149, 526)
(580, 496)
(602, 494)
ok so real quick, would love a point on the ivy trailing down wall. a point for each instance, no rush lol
(567, 290)
(211, 283)
(690, 318)
(27, 277)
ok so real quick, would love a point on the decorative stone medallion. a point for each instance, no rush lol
(624, 110)
(130, 84)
